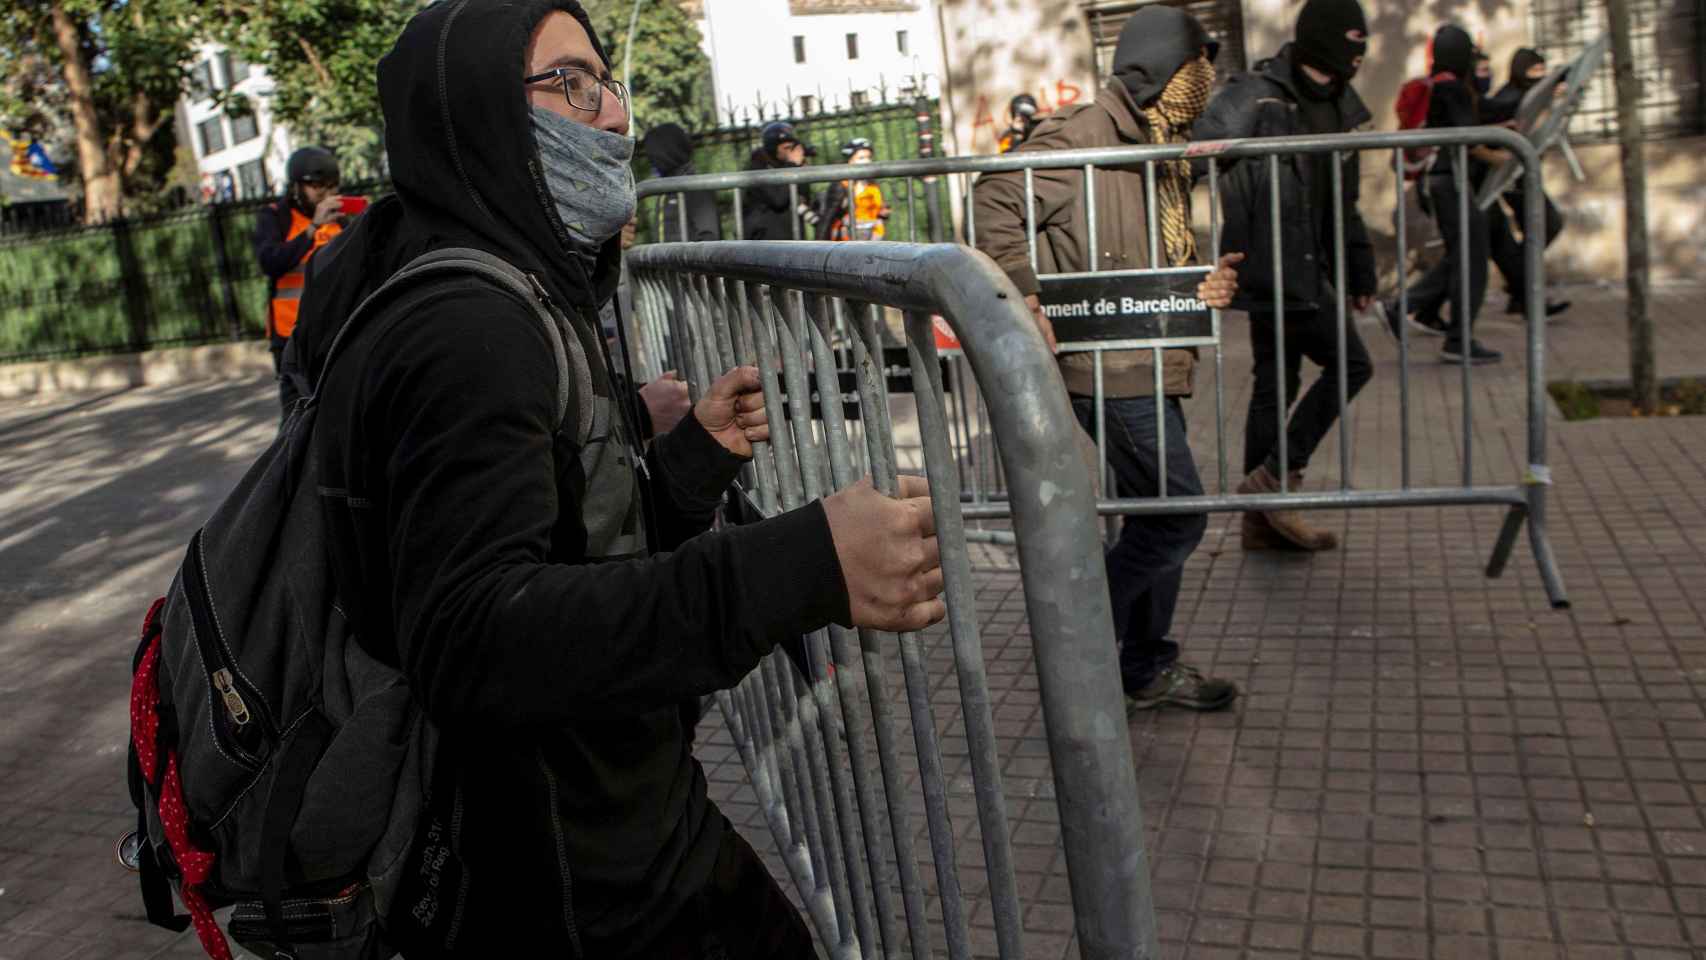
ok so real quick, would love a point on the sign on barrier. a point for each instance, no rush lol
(1148, 305)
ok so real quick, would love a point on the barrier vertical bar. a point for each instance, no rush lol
(740, 224)
(1214, 316)
(1031, 215)
(1467, 325)
(1160, 424)
(913, 669)
(1153, 214)
(1341, 294)
(968, 649)
(1402, 320)
(1283, 405)
(1090, 206)
(681, 211)
(1538, 476)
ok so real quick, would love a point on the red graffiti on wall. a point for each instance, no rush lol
(987, 128)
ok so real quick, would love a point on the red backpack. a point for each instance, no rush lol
(1413, 99)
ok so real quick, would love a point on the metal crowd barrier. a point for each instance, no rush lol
(1524, 495)
(841, 823)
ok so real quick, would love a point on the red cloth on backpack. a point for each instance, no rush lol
(195, 863)
(1414, 98)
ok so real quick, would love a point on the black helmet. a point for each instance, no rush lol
(1023, 105)
(312, 165)
(780, 132)
(855, 145)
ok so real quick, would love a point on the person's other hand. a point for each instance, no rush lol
(1219, 287)
(1043, 324)
(732, 411)
(889, 557)
(328, 210)
(666, 401)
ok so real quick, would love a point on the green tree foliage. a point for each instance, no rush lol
(98, 82)
(671, 75)
(323, 57)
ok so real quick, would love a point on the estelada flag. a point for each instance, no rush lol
(30, 160)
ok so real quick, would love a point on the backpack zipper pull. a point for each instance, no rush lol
(234, 704)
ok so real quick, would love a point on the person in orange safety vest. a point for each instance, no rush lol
(287, 234)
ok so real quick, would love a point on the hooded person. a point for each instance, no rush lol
(773, 212)
(557, 607)
(670, 151)
(1303, 90)
(1162, 74)
(1021, 120)
(1527, 68)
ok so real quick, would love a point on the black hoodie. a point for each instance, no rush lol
(1453, 103)
(560, 686)
(1156, 42)
(1502, 107)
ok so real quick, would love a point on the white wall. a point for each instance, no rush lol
(273, 145)
(751, 45)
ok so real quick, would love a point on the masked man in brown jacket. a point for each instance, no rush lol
(1163, 69)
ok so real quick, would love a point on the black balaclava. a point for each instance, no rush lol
(1454, 53)
(669, 149)
(1325, 31)
(1154, 43)
(1482, 85)
(1521, 62)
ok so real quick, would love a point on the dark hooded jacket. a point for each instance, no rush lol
(562, 687)
(768, 212)
(1265, 103)
(670, 151)
(1453, 102)
(1502, 106)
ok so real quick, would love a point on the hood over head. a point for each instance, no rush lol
(1332, 36)
(1454, 53)
(466, 165)
(1521, 62)
(1154, 43)
(669, 149)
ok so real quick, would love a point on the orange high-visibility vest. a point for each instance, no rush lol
(287, 292)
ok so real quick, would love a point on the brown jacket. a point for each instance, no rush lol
(1122, 232)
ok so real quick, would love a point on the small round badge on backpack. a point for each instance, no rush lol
(129, 852)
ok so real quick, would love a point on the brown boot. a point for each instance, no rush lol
(1285, 528)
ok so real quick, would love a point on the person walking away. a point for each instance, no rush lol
(1021, 121)
(870, 213)
(1303, 90)
(287, 233)
(774, 212)
(1162, 72)
(558, 607)
(670, 151)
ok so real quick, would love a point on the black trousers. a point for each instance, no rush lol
(1440, 287)
(1310, 334)
(1506, 249)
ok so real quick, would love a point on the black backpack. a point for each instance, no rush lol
(276, 766)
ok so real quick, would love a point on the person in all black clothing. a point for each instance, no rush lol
(1527, 68)
(1304, 89)
(670, 151)
(559, 608)
(774, 212)
(1454, 103)
(287, 234)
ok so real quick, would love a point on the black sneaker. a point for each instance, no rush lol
(1387, 310)
(1182, 686)
(1553, 307)
(1478, 355)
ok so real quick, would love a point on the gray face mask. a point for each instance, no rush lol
(587, 171)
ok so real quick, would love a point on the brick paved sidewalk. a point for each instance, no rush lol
(1426, 763)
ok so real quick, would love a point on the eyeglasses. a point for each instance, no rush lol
(583, 90)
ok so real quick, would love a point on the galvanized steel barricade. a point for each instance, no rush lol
(979, 453)
(841, 822)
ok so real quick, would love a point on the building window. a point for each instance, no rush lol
(852, 46)
(236, 70)
(1223, 19)
(799, 49)
(201, 79)
(900, 42)
(1670, 63)
(858, 100)
(212, 136)
(253, 179)
(244, 129)
(808, 104)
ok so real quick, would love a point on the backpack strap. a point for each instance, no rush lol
(574, 376)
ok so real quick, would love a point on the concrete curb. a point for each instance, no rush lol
(174, 365)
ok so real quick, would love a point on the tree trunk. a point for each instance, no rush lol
(1643, 375)
(102, 193)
